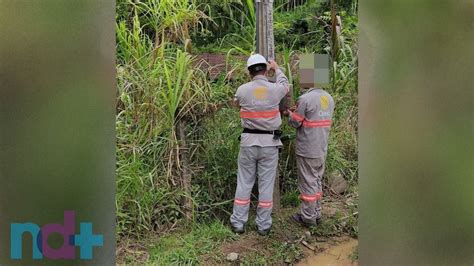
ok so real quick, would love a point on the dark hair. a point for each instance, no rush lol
(256, 69)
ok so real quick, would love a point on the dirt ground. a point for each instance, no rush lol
(287, 244)
(339, 252)
(333, 251)
(297, 244)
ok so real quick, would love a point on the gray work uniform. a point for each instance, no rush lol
(312, 118)
(259, 101)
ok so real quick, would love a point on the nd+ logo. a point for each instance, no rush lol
(85, 240)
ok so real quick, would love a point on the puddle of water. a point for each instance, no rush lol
(335, 255)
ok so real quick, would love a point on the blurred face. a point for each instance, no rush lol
(314, 70)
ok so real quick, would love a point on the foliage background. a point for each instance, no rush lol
(417, 132)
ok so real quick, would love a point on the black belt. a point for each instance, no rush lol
(276, 133)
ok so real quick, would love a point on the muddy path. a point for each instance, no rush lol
(342, 253)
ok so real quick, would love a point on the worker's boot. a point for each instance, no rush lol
(264, 232)
(238, 230)
(298, 219)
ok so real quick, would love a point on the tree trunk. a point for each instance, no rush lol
(185, 173)
(334, 37)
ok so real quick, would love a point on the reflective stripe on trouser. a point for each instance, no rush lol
(310, 172)
(255, 161)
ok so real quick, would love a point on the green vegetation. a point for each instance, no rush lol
(208, 243)
(177, 136)
(202, 240)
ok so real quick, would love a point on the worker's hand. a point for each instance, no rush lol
(292, 109)
(273, 65)
(235, 103)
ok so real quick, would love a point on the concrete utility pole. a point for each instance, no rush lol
(264, 37)
(265, 44)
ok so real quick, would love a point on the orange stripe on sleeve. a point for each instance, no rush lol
(297, 117)
(319, 123)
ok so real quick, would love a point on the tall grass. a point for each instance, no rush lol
(170, 19)
(243, 40)
(343, 138)
(157, 88)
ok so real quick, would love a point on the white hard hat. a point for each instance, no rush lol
(256, 59)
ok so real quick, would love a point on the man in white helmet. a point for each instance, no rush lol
(260, 117)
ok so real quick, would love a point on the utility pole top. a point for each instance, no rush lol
(264, 37)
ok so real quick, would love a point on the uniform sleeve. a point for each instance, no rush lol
(283, 82)
(237, 96)
(297, 117)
